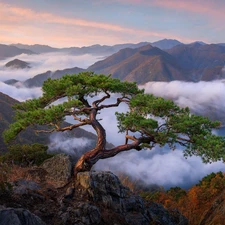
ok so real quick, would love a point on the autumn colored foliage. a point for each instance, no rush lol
(194, 202)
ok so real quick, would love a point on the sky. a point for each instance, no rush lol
(87, 22)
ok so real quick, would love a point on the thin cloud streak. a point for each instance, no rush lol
(204, 7)
(200, 6)
(211, 12)
(26, 19)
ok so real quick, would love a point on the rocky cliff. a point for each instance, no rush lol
(95, 198)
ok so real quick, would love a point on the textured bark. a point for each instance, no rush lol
(87, 160)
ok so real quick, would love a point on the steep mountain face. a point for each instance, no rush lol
(38, 80)
(216, 212)
(6, 118)
(201, 62)
(142, 65)
(193, 62)
(11, 51)
(29, 136)
(17, 64)
(6, 114)
(202, 204)
(113, 59)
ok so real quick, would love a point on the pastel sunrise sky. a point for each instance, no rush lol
(64, 23)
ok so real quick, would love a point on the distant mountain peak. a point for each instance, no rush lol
(166, 43)
(17, 64)
(198, 42)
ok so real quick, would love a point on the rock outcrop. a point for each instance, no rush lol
(23, 186)
(106, 192)
(10, 216)
(95, 198)
(58, 169)
(162, 216)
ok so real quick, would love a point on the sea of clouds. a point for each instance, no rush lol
(163, 166)
(39, 63)
(157, 166)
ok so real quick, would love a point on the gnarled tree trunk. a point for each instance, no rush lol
(87, 160)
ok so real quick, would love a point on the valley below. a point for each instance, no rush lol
(192, 75)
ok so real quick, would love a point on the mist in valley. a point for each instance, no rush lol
(163, 166)
(41, 63)
(159, 166)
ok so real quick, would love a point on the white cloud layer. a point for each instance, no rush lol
(193, 95)
(163, 166)
(20, 94)
(44, 62)
(158, 166)
(204, 98)
(61, 142)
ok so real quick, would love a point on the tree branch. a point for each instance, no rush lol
(133, 138)
(77, 111)
(97, 102)
(57, 128)
(84, 101)
(184, 139)
(126, 147)
(119, 100)
(85, 120)
(71, 127)
(51, 100)
(45, 131)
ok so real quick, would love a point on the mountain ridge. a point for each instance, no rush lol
(97, 49)
(17, 64)
(29, 136)
(7, 51)
(135, 65)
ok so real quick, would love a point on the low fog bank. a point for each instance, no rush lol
(43, 62)
(163, 167)
(20, 94)
(66, 143)
(158, 166)
(203, 98)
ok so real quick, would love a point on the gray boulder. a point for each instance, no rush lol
(9, 216)
(59, 169)
(84, 214)
(23, 186)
